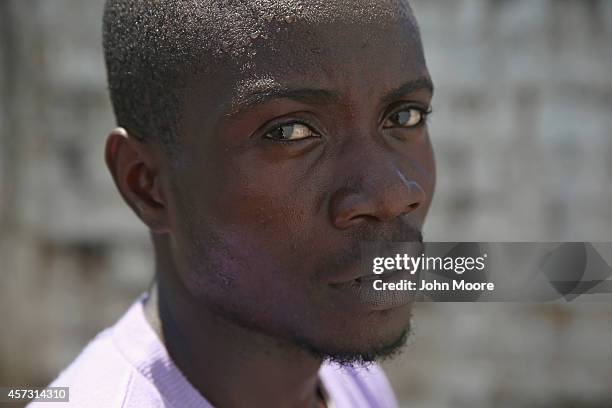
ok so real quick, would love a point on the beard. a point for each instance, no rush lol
(352, 357)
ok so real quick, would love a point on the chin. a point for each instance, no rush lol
(359, 347)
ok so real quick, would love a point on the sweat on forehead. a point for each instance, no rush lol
(152, 47)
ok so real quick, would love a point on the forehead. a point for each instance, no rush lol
(234, 24)
(291, 43)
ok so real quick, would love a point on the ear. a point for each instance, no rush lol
(134, 166)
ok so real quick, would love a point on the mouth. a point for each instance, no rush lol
(373, 291)
(368, 279)
(361, 270)
(360, 287)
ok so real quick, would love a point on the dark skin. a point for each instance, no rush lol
(285, 168)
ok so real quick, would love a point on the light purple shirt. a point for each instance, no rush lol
(128, 366)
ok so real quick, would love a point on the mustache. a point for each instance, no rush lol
(369, 238)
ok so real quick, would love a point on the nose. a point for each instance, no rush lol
(382, 193)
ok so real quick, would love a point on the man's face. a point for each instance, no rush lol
(296, 150)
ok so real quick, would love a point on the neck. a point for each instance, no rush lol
(230, 365)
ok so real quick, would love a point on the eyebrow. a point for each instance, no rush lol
(306, 95)
(317, 96)
(422, 83)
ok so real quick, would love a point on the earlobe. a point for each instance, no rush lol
(134, 166)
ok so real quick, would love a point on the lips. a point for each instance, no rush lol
(371, 277)
(362, 267)
(357, 271)
(361, 291)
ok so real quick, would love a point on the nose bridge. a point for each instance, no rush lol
(379, 186)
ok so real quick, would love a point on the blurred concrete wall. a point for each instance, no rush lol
(522, 129)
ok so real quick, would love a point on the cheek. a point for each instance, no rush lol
(261, 198)
(431, 171)
(421, 165)
(258, 217)
(431, 161)
(429, 167)
(243, 273)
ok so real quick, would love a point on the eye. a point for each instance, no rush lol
(407, 118)
(291, 132)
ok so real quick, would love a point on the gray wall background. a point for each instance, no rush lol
(522, 129)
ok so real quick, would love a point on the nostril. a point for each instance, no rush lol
(413, 206)
(366, 217)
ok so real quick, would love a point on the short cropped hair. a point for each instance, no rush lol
(148, 48)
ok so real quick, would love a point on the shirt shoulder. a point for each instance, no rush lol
(101, 377)
(358, 386)
(127, 366)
